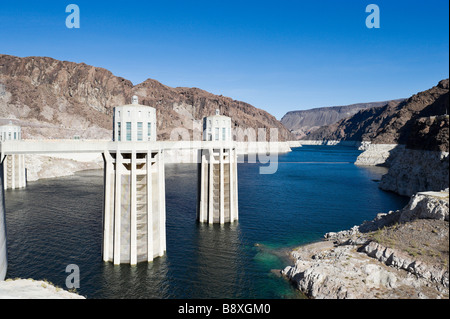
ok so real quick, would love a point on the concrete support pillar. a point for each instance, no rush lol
(234, 185)
(107, 218)
(22, 172)
(162, 204)
(221, 190)
(202, 188)
(150, 232)
(232, 165)
(3, 246)
(134, 206)
(14, 172)
(217, 202)
(210, 186)
(133, 216)
(117, 208)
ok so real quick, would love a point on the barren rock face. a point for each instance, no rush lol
(412, 171)
(60, 99)
(302, 123)
(419, 121)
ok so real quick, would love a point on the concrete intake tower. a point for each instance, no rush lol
(217, 178)
(134, 199)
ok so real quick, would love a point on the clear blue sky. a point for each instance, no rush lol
(276, 55)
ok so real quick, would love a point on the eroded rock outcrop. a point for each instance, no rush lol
(33, 289)
(401, 254)
(411, 171)
(392, 123)
(303, 123)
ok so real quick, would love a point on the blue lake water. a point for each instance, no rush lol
(316, 189)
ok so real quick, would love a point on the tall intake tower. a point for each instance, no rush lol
(217, 181)
(134, 200)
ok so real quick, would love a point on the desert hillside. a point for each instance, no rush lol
(420, 122)
(59, 99)
(304, 122)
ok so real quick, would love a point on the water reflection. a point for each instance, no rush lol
(218, 259)
(145, 280)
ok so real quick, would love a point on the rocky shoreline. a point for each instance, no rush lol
(398, 255)
(410, 170)
(33, 289)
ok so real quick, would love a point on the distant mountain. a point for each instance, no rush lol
(420, 122)
(304, 122)
(60, 99)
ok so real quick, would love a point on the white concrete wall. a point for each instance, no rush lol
(135, 114)
(215, 126)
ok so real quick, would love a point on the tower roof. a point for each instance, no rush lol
(217, 114)
(10, 124)
(135, 103)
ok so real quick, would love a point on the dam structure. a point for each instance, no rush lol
(134, 207)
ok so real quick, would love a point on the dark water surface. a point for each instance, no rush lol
(316, 189)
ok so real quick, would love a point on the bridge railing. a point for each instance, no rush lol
(100, 146)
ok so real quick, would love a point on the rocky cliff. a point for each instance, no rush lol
(422, 164)
(394, 122)
(59, 99)
(411, 171)
(411, 138)
(303, 123)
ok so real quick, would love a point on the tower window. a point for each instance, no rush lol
(139, 131)
(128, 131)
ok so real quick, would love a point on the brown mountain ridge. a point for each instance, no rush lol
(420, 122)
(60, 99)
